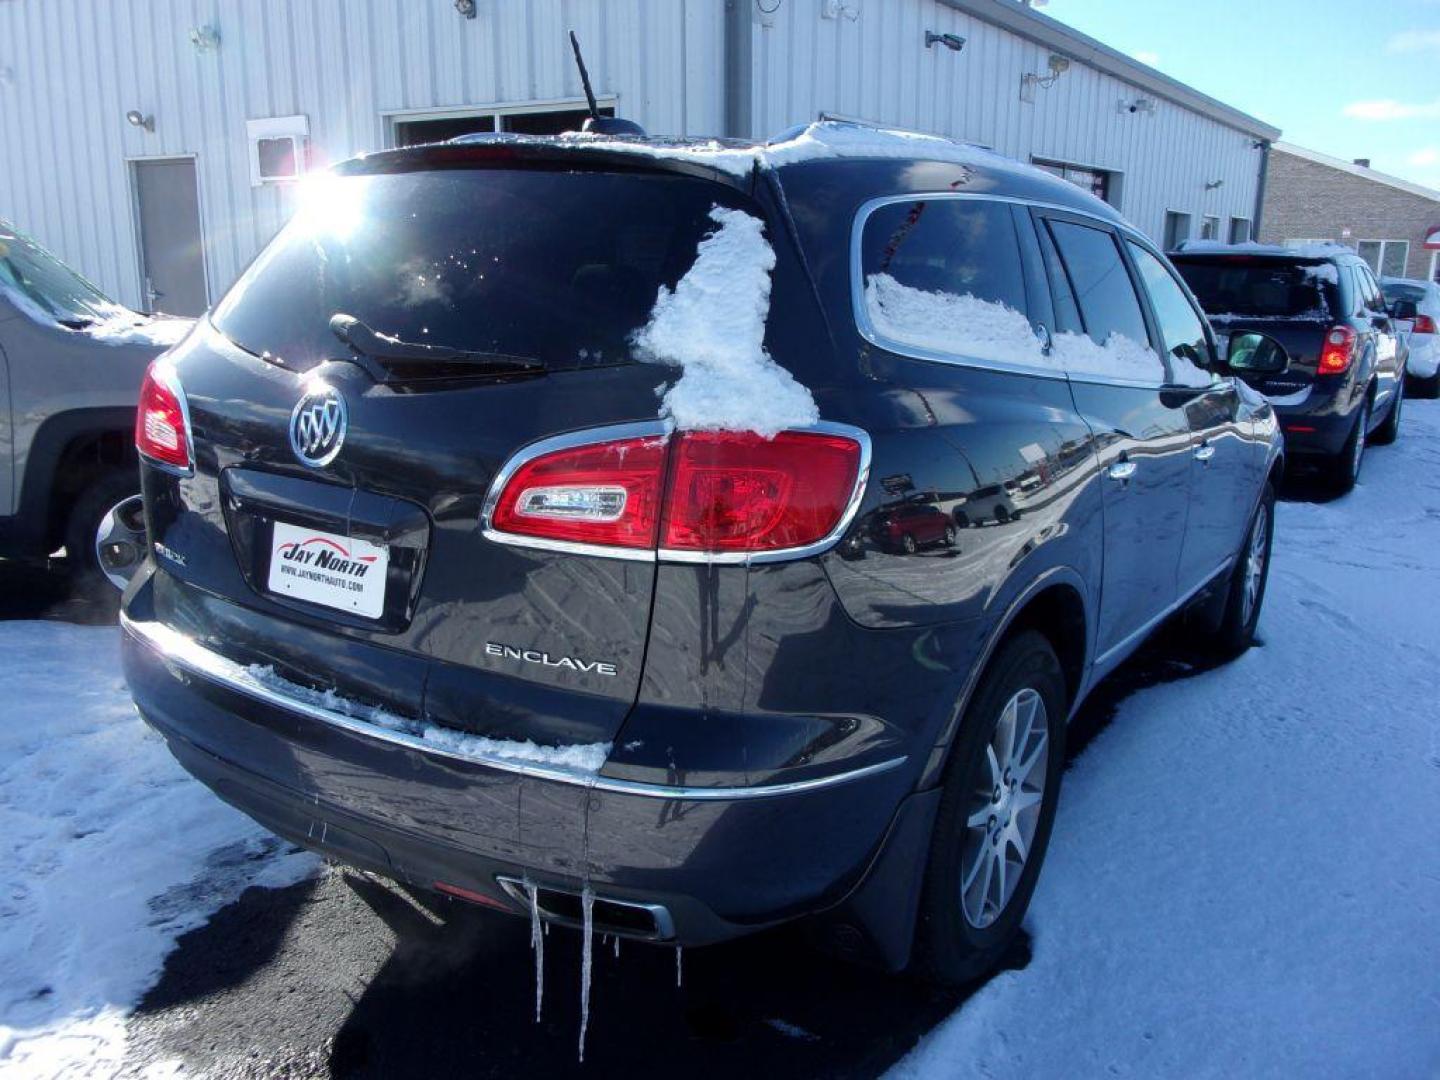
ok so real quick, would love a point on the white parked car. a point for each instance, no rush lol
(1418, 303)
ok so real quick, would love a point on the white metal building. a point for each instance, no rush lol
(155, 140)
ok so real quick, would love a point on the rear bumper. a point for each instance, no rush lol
(719, 861)
(1321, 425)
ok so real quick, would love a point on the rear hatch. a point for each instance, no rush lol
(1294, 300)
(480, 303)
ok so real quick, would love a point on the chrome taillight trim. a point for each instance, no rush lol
(661, 429)
(163, 372)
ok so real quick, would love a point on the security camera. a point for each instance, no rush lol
(466, 8)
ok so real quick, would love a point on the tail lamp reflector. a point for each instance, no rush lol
(691, 491)
(1338, 351)
(1424, 324)
(160, 425)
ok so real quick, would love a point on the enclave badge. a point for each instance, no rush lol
(317, 426)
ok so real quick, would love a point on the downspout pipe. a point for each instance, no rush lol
(739, 68)
(1260, 188)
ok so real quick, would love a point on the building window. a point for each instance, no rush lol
(1209, 228)
(1096, 181)
(1386, 257)
(412, 131)
(1239, 230)
(1177, 229)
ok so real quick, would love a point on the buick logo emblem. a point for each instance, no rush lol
(317, 426)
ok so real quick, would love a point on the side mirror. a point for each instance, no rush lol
(1256, 354)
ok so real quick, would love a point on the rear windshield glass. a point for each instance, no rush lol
(1255, 289)
(560, 267)
(1395, 291)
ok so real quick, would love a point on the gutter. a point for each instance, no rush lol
(1027, 23)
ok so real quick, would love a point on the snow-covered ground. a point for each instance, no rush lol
(1244, 878)
(108, 852)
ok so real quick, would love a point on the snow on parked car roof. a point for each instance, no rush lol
(820, 140)
(1250, 247)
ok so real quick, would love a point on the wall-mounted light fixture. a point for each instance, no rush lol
(1211, 185)
(1058, 65)
(205, 38)
(135, 118)
(1138, 105)
(953, 42)
(466, 8)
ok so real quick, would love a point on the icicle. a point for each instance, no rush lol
(678, 972)
(587, 905)
(537, 945)
(617, 946)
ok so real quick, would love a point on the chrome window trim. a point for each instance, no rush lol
(164, 373)
(177, 650)
(874, 337)
(664, 429)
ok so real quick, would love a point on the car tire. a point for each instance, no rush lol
(908, 545)
(949, 535)
(104, 492)
(1344, 468)
(969, 915)
(1389, 431)
(1427, 389)
(1245, 591)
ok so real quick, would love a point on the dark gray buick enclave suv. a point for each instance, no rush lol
(441, 587)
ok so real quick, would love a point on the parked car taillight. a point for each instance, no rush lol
(1424, 324)
(700, 492)
(1339, 350)
(162, 432)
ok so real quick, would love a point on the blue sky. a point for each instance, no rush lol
(1352, 78)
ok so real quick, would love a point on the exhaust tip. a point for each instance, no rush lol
(609, 915)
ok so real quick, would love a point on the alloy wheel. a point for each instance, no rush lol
(1004, 808)
(1256, 553)
(120, 541)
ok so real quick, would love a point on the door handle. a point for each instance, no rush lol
(1204, 453)
(1121, 470)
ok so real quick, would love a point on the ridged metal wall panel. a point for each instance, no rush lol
(70, 69)
(876, 67)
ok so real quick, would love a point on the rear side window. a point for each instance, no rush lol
(1115, 343)
(1243, 287)
(944, 276)
(1187, 348)
(556, 266)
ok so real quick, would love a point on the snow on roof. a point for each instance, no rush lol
(1357, 170)
(820, 140)
(1250, 247)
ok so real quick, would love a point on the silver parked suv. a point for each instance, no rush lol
(71, 362)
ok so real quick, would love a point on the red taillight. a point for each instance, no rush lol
(604, 493)
(1339, 350)
(741, 492)
(160, 432)
(1424, 324)
(701, 492)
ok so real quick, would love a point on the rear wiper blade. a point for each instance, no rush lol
(413, 360)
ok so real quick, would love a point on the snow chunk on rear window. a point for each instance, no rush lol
(582, 759)
(712, 327)
(961, 324)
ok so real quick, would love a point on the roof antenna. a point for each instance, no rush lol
(600, 125)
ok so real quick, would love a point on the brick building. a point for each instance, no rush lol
(1392, 223)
